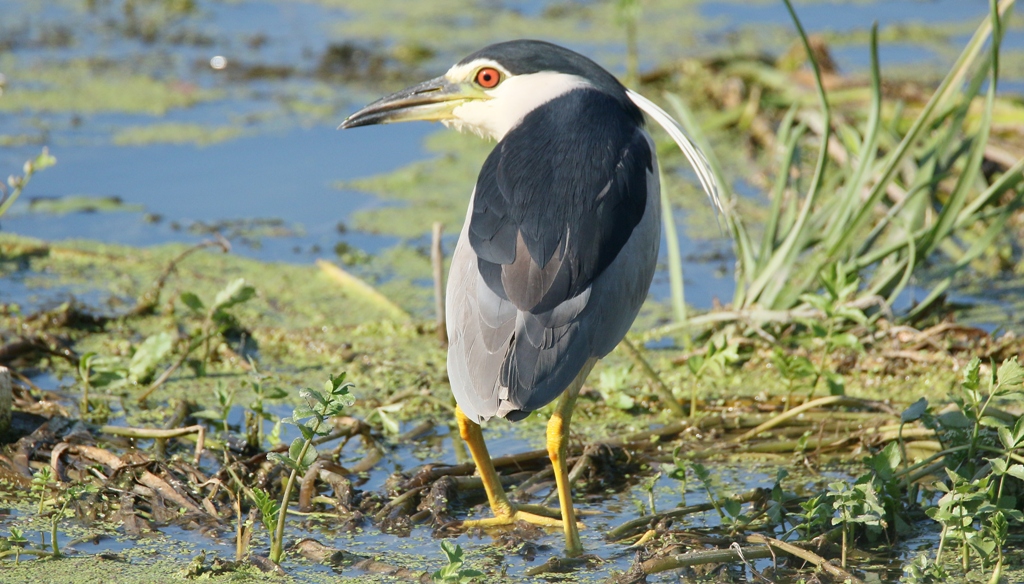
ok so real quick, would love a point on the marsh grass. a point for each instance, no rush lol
(880, 203)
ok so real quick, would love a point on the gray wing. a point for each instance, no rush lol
(523, 324)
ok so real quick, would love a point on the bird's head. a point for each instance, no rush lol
(490, 91)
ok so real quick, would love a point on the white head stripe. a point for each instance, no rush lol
(510, 101)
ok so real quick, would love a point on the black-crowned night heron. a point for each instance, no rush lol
(560, 241)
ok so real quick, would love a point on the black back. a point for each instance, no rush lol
(567, 186)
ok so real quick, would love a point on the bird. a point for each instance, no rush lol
(559, 245)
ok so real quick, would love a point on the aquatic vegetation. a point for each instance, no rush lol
(175, 133)
(455, 572)
(311, 420)
(722, 491)
(868, 211)
(86, 87)
(17, 183)
(80, 204)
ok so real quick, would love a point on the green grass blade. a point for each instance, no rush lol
(771, 227)
(785, 256)
(675, 258)
(867, 154)
(939, 98)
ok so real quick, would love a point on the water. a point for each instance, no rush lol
(287, 157)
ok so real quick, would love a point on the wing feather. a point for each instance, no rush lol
(555, 204)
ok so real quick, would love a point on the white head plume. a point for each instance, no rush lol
(693, 154)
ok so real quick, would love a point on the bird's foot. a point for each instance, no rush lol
(532, 514)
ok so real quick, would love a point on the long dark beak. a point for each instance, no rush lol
(431, 100)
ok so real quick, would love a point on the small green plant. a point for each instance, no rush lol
(973, 403)
(269, 509)
(922, 571)
(455, 572)
(873, 501)
(795, 370)
(855, 504)
(815, 517)
(959, 511)
(13, 542)
(611, 383)
(677, 471)
(42, 481)
(219, 413)
(827, 332)
(257, 414)
(1005, 511)
(311, 420)
(729, 509)
(65, 498)
(973, 510)
(647, 486)
(717, 357)
(217, 318)
(17, 183)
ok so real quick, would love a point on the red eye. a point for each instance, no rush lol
(488, 77)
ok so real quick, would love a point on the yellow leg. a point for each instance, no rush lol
(504, 512)
(474, 438)
(558, 447)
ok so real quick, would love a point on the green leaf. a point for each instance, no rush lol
(1016, 471)
(971, 373)
(815, 301)
(192, 301)
(312, 395)
(991, 422)
(887, 461)
(274, 393)
(84, 363)
(234, 293)
(300, 412)
(452, 552)
(914, 411)
(333, 408)
(390, 424)
(149, 355)
(295, 450)
(1006, 437)
(695, 364)
(1010, 374)
(702, 473)
(998, 465)
(847, 340)
(207, 415)
(732, 507)
(268, 507)
(954, 419)
(852, 314)
(836, 383)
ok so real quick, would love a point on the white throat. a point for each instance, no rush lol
(511, 101)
